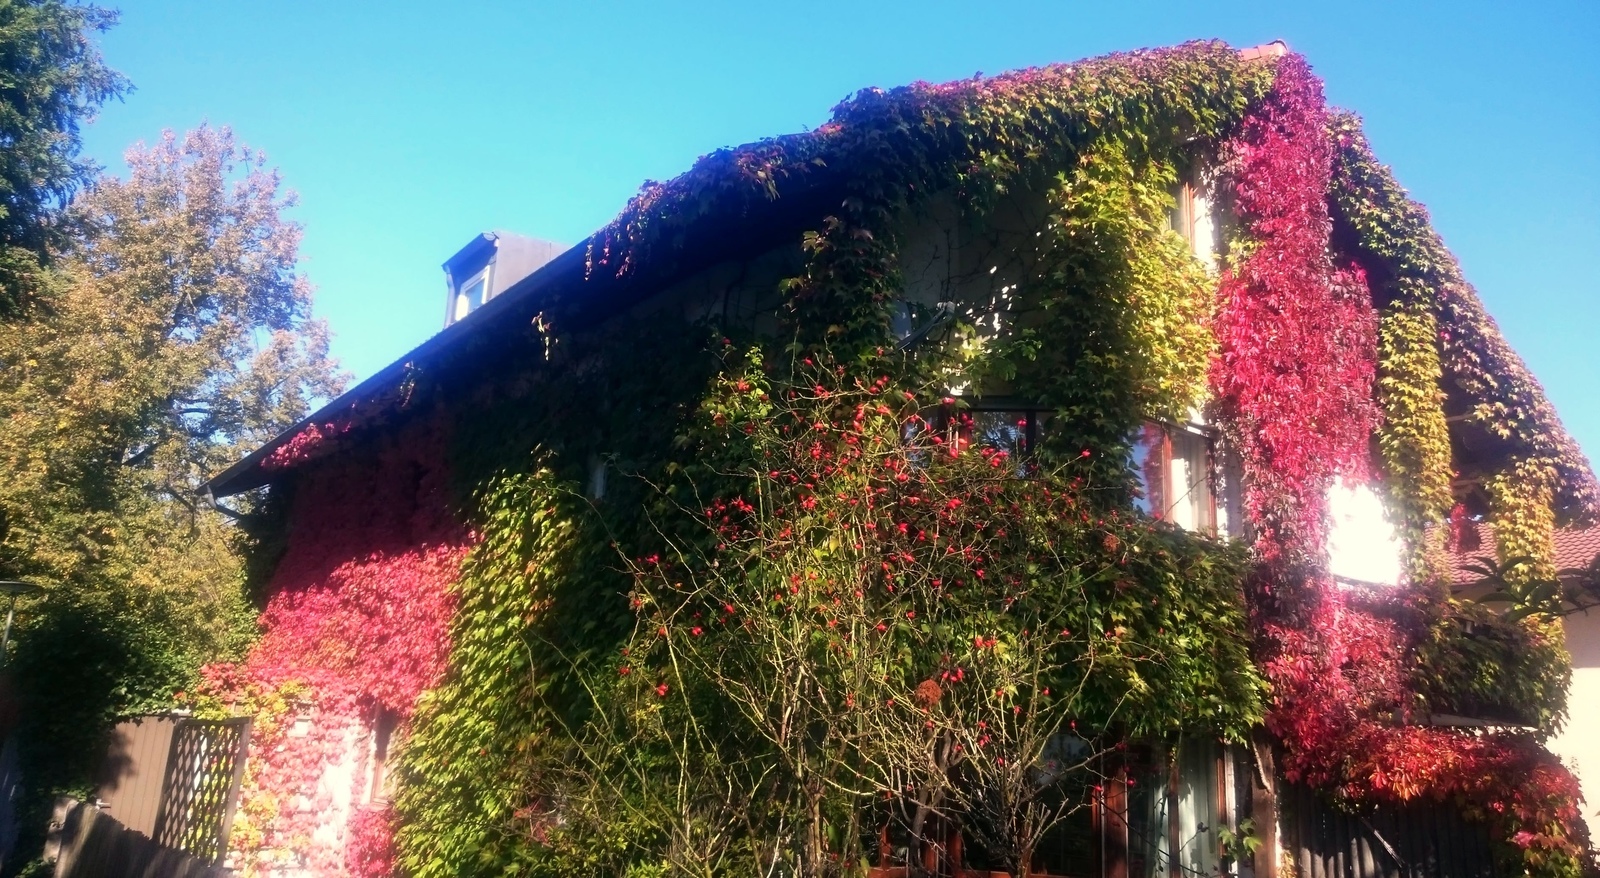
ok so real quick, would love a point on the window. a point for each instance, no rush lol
(1181, 214)
(1174, 468)
(471, 293)
(1014, 431)
(1177, 802)
(998, 424)
(1190, 216)
(1177, 470)
(384, 723)
(1142, 812)
(1363, 548)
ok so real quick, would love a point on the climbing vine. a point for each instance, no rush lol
(558, 469)
(1472, 661)
(472, 733)
(1124, 332)
(1440, 321)
(1294, 375)
(983, 136)
(1441, 349)
(1293, 386)
(839, 306)
(1413, 437)
(355, 627)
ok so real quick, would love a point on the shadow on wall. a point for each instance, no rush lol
(119, 762)
(128, 784)
(1583, 639)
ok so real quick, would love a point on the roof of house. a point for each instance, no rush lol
(756, 196)
(1576, 548)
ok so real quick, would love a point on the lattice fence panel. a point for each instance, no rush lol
(201, 784)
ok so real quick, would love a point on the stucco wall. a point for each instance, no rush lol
(1579, 743)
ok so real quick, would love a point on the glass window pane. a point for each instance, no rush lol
(474, 294)
(1173, 469)
(1005, 431)
(1148, 848)
(1068, 790)
(1199, 786)
(1190, 504)
(1147, 454)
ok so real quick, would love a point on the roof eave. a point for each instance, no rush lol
(248, 472)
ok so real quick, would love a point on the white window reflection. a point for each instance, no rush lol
(1362, 545)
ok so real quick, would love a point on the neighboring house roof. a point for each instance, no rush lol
(757, 196)
(1576, 548)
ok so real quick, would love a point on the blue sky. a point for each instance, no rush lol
(408, 127)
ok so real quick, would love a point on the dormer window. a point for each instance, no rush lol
(490, 265)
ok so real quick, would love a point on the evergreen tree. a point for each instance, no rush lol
(52, 78)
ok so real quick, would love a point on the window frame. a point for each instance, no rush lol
(945, 421)
(382, 734)
(1215, 517)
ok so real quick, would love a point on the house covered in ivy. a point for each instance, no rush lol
(1033, 474)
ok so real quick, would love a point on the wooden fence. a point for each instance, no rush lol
(1421, 840)
(175, 779)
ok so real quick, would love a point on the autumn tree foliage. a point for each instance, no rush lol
(173, 332)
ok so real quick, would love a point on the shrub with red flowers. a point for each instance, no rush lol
(872, 625)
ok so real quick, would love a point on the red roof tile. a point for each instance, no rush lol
(1575, 547)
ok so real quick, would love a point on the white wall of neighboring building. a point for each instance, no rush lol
(1579, 742)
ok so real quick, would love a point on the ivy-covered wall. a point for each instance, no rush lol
(356, 625)
(688, 589)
